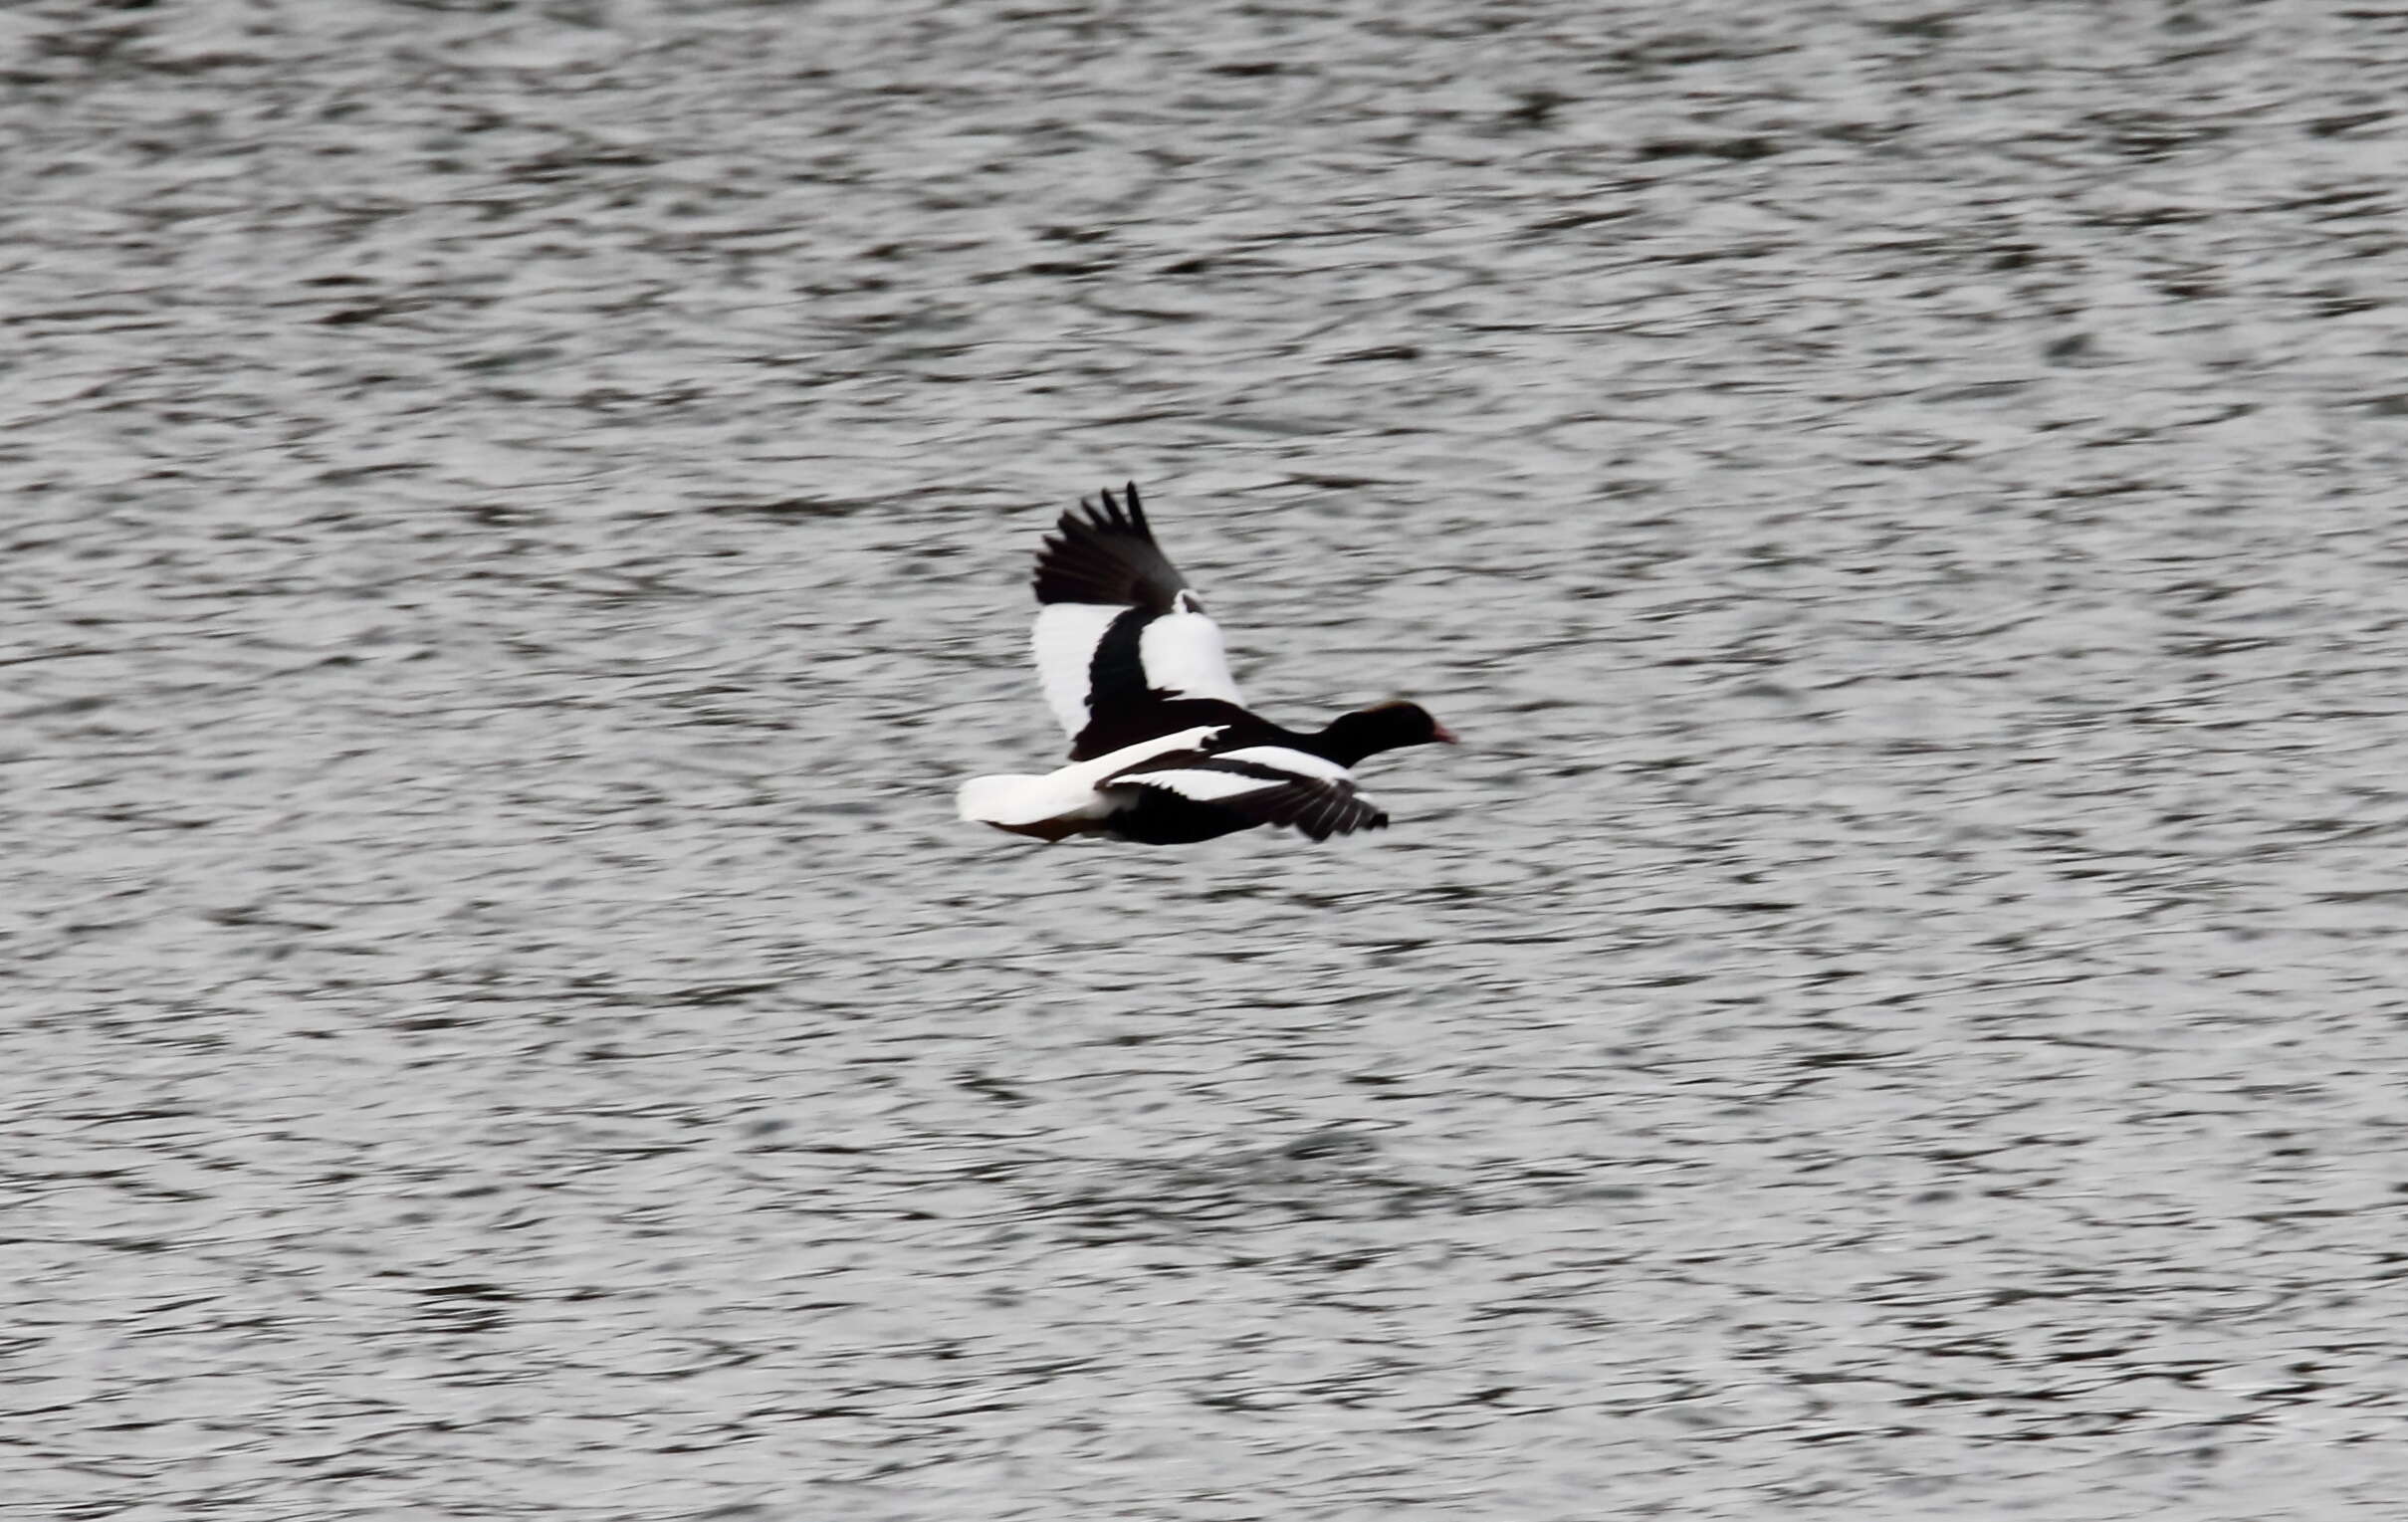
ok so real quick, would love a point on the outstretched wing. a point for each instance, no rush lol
(1267, 784)
(1118, 627)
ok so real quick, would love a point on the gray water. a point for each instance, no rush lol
(514, 518)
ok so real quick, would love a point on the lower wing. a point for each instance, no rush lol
(1268, 784)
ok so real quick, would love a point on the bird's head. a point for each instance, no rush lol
(1383, 726)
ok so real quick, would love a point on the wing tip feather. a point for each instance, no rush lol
(1103, 551)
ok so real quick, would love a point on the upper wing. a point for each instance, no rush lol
(1269, 784)
(1118, 625)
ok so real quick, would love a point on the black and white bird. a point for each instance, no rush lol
(1162, 749)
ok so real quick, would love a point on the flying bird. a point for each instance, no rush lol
(1162, 749)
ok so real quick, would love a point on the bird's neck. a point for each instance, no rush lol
(1345, 740)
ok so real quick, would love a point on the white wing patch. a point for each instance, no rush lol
(1182, 653)
(1299, 763)
(1201, 786)
(1064, 643)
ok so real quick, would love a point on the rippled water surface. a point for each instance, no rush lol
(516, 516)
